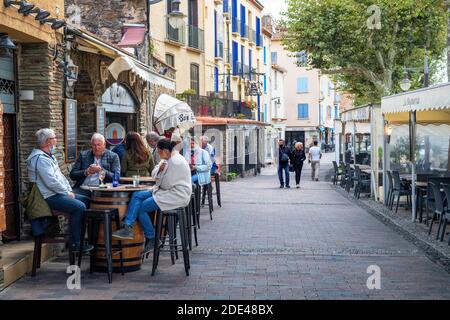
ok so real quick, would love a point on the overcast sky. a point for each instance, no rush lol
(274, 7)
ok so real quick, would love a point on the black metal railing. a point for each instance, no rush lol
(175, 34)
(203, 106)
(196, 38)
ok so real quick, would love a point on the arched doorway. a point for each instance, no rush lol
(120, 107)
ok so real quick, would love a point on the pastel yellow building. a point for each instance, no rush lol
(217, 52)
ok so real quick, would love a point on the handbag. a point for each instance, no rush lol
(34, 203)
(291, 168)
(284, 158)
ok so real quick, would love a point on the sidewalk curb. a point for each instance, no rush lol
(436, 251)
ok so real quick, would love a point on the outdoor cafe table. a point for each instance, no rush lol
(112, 198)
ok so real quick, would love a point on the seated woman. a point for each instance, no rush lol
(200, 164)
(137, 159)
(172, 190)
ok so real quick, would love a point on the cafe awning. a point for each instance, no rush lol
(432, 105)
(360, 114)
(123, 60)
(171, 113)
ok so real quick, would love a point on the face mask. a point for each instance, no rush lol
(52, 149)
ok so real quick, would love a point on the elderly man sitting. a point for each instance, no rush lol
(90, 163)
(152, 140)
(43, 170)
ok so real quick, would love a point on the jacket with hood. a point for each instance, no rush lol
(49, 178)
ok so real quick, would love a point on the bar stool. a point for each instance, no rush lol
(216, 177)
(191, 212)
(107, 216)
(171, 219)
(207, 189)
(59, 237)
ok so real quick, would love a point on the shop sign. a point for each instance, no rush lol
(115, 134)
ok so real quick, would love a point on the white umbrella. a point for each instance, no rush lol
(171, 113)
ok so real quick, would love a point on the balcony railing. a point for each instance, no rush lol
(227, 56)
(259, 41)
(252, 35)
(176, 35)
(219, 49)
(236, 26)
(244, 31)
(203, 106)
(196, 38)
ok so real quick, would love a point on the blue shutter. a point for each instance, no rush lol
(302, 85)
(242, 60)
(265, 84)
(303, 111)
(234, 15)
(216, 79)
(215, 34)
(265, 112)
(336, 113)
(265, 55)
(235, 54)
(258, 101)
(243, 29)
(258, 32)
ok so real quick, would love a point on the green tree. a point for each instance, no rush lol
(342, 38)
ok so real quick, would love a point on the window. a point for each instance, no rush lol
(216, 79)
(195, 78)
(303, 111)
(302, 85)
(330, 87)
(235, 52)
(274, 57)
(329, 112)
(302, 58)
(265, 84)
(276, 80)
(336, 112)
(170, 59)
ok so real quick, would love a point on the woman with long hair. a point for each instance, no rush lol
(297, 157)
(172, 190)
(137, 159)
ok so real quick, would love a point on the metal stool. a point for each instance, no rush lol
(207, 189)
(57, 238)
(168, 221)
(95, 217)
(216, 177)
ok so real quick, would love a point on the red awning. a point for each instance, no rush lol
(132, 37)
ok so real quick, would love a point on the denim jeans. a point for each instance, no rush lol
(285, 168)
(75, 208)
(194, 179)
(139, 208)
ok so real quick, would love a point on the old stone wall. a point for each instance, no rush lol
(2, 182)
(106, 18)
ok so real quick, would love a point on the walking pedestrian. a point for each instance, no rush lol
(297, 158)
(284, 154)
(315, 154)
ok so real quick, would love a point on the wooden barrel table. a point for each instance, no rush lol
(118, 198)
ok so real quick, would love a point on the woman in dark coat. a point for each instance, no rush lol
(297, 157)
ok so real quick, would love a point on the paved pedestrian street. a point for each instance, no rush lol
(268, 243)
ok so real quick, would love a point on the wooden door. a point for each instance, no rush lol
(11, 203)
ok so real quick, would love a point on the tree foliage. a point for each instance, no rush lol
(366, 61)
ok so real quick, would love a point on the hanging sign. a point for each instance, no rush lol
(115, 134)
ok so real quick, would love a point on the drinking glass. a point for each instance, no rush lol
(101, 176)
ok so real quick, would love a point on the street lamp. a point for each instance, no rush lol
(6, 42)
(405, 84)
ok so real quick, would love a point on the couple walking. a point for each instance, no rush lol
(296, 158)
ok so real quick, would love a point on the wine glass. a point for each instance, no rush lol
(101, 176)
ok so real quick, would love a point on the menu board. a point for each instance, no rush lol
(70, 129)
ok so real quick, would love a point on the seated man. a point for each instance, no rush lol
(90, 162)
(43, 170)
(152, 140)
(211, 151)
(172, 190)
(200, 164)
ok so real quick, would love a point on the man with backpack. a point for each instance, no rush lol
(284, 154)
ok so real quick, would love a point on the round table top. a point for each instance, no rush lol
(141, 179)
(120, 188)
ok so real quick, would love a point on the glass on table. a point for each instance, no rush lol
(136, 180)
(101, 177)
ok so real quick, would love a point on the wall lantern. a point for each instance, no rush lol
(6, 42)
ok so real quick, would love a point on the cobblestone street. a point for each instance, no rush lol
(268, 243)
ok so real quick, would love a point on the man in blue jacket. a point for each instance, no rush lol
(284, 154)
